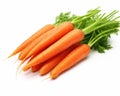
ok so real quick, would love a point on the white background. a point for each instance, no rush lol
(98, 75)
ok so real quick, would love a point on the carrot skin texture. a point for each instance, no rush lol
(51, 63)
(36, 67)
(28, 48)
(28, 62)
(53, 36)
(32, 38)
(62, 44)
(71, 60)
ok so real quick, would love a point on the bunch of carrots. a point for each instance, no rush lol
(58, 47)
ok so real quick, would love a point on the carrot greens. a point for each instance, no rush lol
(96, 26)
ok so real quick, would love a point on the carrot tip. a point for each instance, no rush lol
(18, 67)
(51, 77)
(9, 57)
(18, 70)
(47, 78)
(22, 62)
(34, 71)
(26, 58)
(25, 68)
(12, 54)
(41, 73)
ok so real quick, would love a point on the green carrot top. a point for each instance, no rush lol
(96, 26)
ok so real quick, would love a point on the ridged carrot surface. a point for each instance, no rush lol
(50, 64)
(51, 37)
(32, 38)
(70, 60)
(62, 44)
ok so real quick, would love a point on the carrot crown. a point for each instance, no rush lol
(96, 26)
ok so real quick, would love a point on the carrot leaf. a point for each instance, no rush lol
(96, 26)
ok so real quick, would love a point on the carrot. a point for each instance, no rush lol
(51, 63)
(62, 44)
(32, 38)
(52, 36)
(36, 67)
(28, 48)
(25, 61)
(25, 51)
(70, 60)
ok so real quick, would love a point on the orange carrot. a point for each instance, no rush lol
(25, 51)
(62, 44)
(53, 36)
(51, 63)
(32, 38)
(28, 61)
(70, 60)
(36, 67)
